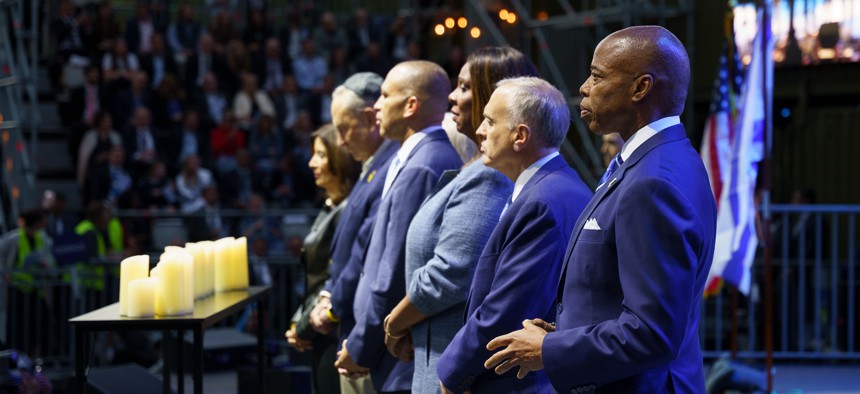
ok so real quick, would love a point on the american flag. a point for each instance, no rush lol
(732, 147)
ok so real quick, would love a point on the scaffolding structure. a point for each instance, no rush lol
(564, 43)
(18, 63)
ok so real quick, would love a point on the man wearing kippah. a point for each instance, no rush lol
(355, 120)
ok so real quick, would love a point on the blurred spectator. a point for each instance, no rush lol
(293, 33)
(67, 30)
(320, 105)
(183, 34)
(454, 62)
(27, 250)
(328, 35)
(610, 147)
(192, 140)
(259, 248)
(272, 66)
(256, 224)
(210, 103)
(191, 182)
(226, 140)
(59, 221)
(108, 181)
(155, 190)
(140, 141)
(256, 32)
(205, 60)
(105, 27)
(287, 103)
(339, 66)
(398, 40)
(140, 28)
(373, 61)
(309, 68)
(281, 183)
(207, 222)
(79, 110)
(251, 103)
(222, 30)
(361, 33)
(119, 62)
(236, 185)
(103, 235)
(158, 62)
(96, 144)
(238, 63)
(127, 101)
(170, 100)
(217, 7)
(266, 144)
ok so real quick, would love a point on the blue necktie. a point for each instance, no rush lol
(613, 166)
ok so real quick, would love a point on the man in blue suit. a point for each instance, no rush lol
(410, 109)
(639, 255)
(525, 121)
(355, 120)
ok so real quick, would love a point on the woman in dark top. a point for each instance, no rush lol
(335, 172)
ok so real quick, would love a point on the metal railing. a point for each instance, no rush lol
(815, 290)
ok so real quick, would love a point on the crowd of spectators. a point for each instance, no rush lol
(176, 111)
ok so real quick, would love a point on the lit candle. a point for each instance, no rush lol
(222, 257)
(174, 285)
(240, 263)
(199, 265)
(141, 297)
(187, 260)
(159, 298)
(134, 267)
(208, 266)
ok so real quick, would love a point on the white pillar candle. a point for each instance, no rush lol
(141, 297)
(222, 256)
(208, 266)
(131, 268)
(174, 282)
(240, 263)
(199, 275)
(159, 298)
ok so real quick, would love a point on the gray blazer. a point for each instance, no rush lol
(443, 244)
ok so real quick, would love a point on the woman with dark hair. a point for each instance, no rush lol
(335, 172)
(449, 233)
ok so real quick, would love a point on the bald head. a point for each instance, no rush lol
(638, 75)
(428, 82)
(656, 51)
(414, 95)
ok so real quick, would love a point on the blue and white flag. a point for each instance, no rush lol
(737, 238)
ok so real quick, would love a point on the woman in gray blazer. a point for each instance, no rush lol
(335, 172)
(449, 232)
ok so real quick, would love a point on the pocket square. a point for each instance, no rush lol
(591, 224)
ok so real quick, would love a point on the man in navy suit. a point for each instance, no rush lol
(355, 120)
(637, 261)
(525, 122)
(410, 109)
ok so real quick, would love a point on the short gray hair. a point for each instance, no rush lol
(351, 100)
(539, 105)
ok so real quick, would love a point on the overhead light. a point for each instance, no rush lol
(449, 22)
(503, 14)
(475, 32)
(439, 29)
(512, 18)
(462, 22)
(542, 16)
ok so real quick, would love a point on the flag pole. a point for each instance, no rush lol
(765, 197)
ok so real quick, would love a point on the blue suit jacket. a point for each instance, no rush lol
(513, 279)
(382, 284)
(351, 236)
(630, 292)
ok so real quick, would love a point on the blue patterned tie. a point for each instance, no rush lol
(613, 166)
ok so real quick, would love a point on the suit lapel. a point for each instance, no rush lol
(432, 135)
(670, 134)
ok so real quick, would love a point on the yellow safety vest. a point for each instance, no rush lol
(21, 279)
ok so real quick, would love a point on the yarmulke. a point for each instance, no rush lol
(365, 84)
